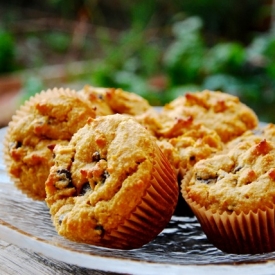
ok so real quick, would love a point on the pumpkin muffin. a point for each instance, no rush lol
(194, 144)
(268, 131)
(49, 118)
(150, 120)
(265, 131)
(233, 194)
(123, 102)
(118, 100)
(111, 185)
(218, 111)
(97, 97)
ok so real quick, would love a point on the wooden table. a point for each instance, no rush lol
(14, 261)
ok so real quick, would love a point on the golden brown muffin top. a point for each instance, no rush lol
(194, 144)
(97, 98)
(123, 102)
(103, 173)
(51, 115)
(111, 100)
(240, 180)
(219, 111)
(49, 118)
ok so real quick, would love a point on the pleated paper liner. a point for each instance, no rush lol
(242, 233)
(23, 111)
(151, 215)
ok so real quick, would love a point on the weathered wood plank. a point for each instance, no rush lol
(14, 261)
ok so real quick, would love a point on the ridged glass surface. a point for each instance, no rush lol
(182, 243)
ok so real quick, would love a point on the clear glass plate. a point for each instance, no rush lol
(180, 248)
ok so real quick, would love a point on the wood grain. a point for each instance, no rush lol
(14, 261)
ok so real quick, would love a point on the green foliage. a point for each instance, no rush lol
(31, 86)
(141, 12)
(57, 41)
(245, 71)
(189, 45)
(224, 57)
(189, 64)
(183, 58)
(66, 7)
(7, 52)
(231, 19)
(128, 64)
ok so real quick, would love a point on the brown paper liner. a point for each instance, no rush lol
(242, 233)
(21, 112)
(153, 212)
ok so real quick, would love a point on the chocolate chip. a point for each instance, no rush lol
(85, 188)
(104, 176)
(100, 229)
(96, 156)
(15, 145)
(65, 175)
(237, 169)
(207, 181)
(66, 172)
(102, 179)
(51, 120)
(18, 144)
(100, 97)
(61, 218)
(192, 158)
(51, 146)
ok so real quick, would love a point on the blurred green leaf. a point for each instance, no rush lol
(222, 82)
(7, 52)
(31, 86)
(270, 69)
(262, 46)
(101, 75)
(224, 58)
(58, 41)
(183, 59)
(141, 12)
(186, 28)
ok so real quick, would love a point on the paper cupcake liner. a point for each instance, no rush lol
(242, 233)
(21, 112)
(153, 212)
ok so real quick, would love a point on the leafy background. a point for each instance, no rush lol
(158, 49)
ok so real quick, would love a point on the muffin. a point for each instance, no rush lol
(123, 102)
(268, 131)
(97, 97)
(233, 194)
(183, 151)
(118, 100)
(265, 131)
(49, 118)
(150, 120)
(195, 143)
(111, 186)
(218, 111)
